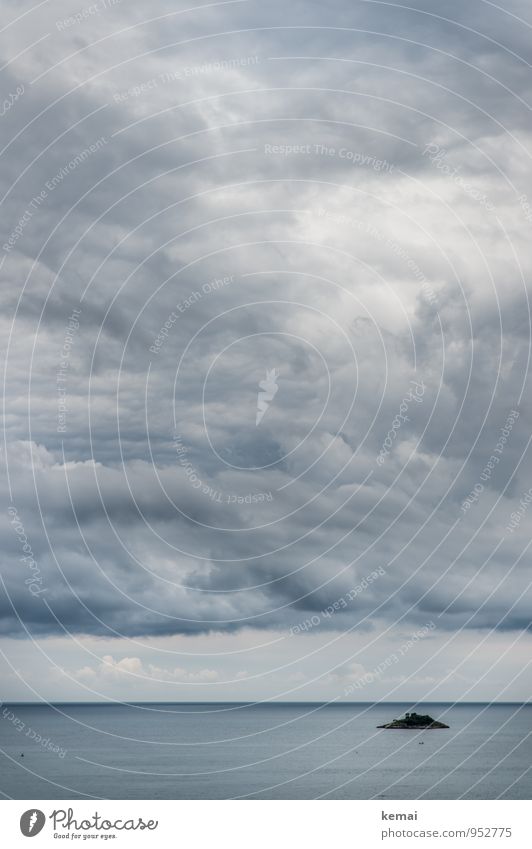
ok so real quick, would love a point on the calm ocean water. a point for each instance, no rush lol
(266, 751)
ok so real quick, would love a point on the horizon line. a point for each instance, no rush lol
(260, 702)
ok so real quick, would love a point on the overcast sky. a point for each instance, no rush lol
(265, 277)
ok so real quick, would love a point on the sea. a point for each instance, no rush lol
(263, 751)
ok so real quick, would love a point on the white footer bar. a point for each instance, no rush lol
(265, 824)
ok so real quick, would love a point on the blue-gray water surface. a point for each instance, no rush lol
(262, 751)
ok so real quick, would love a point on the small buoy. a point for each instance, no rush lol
(22, 754)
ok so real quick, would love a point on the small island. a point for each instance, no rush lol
(414, 720)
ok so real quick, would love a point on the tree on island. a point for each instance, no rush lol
(415, 720)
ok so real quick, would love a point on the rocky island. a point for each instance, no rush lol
(414, 720)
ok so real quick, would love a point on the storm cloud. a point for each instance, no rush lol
(318, 214)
